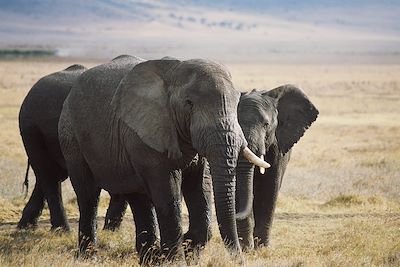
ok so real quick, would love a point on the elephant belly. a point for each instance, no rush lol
(117, 179)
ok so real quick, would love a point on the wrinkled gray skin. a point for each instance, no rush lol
(272, 122)
(197, 193)
(132, 132)
(38, 123)
(41, 111)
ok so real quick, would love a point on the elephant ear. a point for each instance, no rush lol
(295, 114)
(142, 102)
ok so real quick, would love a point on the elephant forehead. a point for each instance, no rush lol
(205, 68)
(256, 109)
(215, 91)
(256, 100)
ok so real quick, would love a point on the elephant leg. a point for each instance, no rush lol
(146, 226)
(266, 188)
(33, 209)
(165, 190)
(52, 191)
(197, 192)
(88, 199)
(264, 207)
(245, 232)
(87, 194)
(48, 176)
(115, 212)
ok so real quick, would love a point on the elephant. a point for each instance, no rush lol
(38, 124)
(272, 122)
(133, 132)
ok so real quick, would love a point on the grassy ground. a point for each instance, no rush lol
(340, 200)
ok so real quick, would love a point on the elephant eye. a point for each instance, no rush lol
(189, 103)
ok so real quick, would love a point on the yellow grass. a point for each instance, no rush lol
(340, 199)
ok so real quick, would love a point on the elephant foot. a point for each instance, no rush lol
(88, 254)
(193, 246)
(158, 257)
(27, 225)
(198, 238)
(246, 243)
(112, 224)
(60, 224)
(261, 243)
(29, 219)
(87, 247)
(61, 229)
(192, 253)
(150, 256)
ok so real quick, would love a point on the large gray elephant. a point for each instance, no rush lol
(133, 132)
(272, 122)
(38, 123)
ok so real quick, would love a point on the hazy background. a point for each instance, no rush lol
(233, 31)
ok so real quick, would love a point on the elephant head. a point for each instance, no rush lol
(178, 107)
(271, 121)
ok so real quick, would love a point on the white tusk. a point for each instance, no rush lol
(251, 157)
(262, 169)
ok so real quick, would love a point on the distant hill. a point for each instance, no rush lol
(227, 29)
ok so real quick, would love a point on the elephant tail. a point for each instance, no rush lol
(25, 185)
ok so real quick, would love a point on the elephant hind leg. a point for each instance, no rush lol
(48, 181)
(87, 193)
(115, 212)
(88, 199)
(32, 210)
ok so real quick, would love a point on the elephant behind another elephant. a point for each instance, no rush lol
(272, 121)
(38, 123)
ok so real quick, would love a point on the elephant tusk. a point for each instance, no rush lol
(251, 157)
(262, 169)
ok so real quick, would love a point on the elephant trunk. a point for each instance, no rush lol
(244, 190)
(222, 168)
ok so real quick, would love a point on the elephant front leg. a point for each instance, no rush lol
(145, 225)
(265, 196)
(245, 232)
(197, 190)
(33, 209)
(165, 190)
(266, 188)
(115, 212)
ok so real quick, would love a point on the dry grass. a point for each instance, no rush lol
(340, 200)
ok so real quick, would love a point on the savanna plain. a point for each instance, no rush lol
(339, 203)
